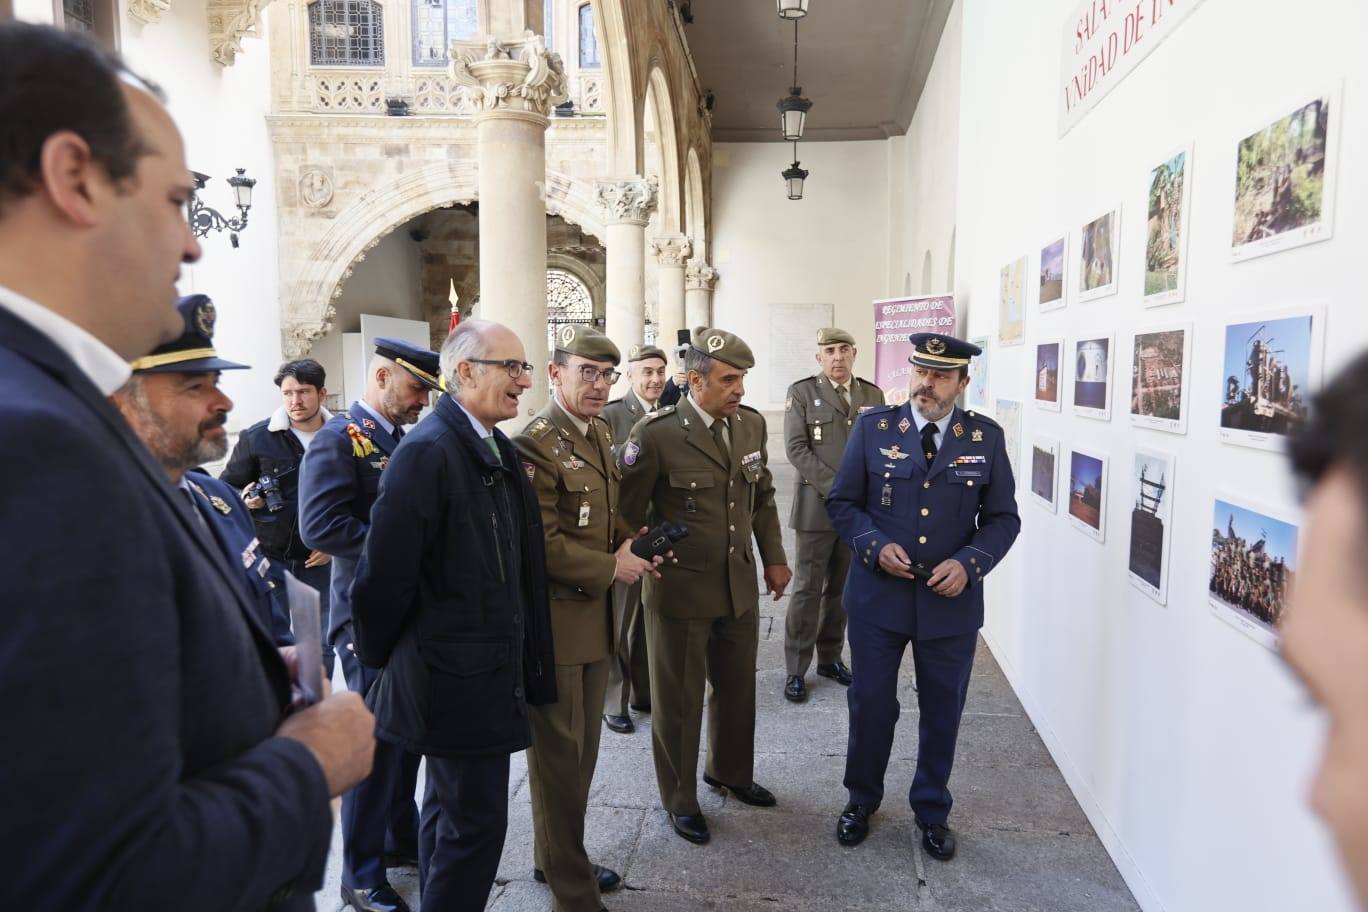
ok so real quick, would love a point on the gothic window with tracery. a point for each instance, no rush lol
(346, 33)
(78, 15)
(567, 301)
(588, 43)
(436, 23)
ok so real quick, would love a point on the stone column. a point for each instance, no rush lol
(671, 251)
(699, 280)
(514, 85)
(627, 205)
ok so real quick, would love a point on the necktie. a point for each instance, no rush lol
(928, 437)
(845, 396)
(399, 433)
(719, 432)
(494, 448)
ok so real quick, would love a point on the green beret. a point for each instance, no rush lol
(587, 342)
(642, 352)
(833, 336)
(722, 345)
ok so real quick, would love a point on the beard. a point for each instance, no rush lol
(935, 412)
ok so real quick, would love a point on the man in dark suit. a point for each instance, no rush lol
(451, 599)
(925, 499)
(338, 481)
(154, 765)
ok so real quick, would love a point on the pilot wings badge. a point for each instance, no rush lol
(893, 452)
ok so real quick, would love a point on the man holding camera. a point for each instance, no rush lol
(264, 466)
(566, 452)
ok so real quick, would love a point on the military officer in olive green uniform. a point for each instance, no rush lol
(567, 455)
(818, 414)
(629, 680)
(702, 463)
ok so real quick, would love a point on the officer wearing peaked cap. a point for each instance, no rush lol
(819, 412)
(923, 488)
(567, 453)
(702, 464)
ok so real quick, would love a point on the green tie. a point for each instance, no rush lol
(494, 448)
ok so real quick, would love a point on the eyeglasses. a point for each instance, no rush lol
(589, 374)
(514, 367)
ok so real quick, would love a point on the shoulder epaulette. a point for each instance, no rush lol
(752, 410)
(980, 417)
(538, 429)
(661, 413)
(875, 409)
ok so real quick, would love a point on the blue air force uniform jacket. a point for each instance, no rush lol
(339, 480)
(962, 506)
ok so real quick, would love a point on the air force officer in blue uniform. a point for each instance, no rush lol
(926, 501)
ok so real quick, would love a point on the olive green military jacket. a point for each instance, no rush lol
(816, 425)
(576, 482)
(672, 468)
(622, 415)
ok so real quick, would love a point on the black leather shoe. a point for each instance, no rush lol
(608, 879)
(795, 691)
(641, 707)
(381, 899)
(937, 839)
(623, 725)
(692, 827)
(838, 672)
(853, 825)
(401, 858)
(753, 794)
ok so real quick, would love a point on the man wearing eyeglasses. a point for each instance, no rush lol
(567, 454)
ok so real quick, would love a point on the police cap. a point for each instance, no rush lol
(939, 352)
(193, 352)
(724, 346)
(587, 342)
(422, 364)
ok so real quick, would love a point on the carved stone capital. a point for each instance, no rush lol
(672, 250)
(149, 11)
(297, 336)
(629, 201)
(229, 22)
(700, 277)
(510, 77)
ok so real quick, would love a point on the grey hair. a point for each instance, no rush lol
(695, 360)
(467, 342)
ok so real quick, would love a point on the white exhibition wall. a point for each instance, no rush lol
(1186, 742)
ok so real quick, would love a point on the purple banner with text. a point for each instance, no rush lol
(894, 320)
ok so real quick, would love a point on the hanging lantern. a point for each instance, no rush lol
(792, 9)
(242, 189)
(793, 113)
(794, 177)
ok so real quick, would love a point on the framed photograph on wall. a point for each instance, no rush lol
(1045, 472)
(1272, 362)
(1088, 493)
(1045, 384)
(1253, 563)
(1285, 179)
(1092, 373)
(1166, 229)
(1008, 415)
(1160, 357)
(1054, 259)
(977, 394)
(1151, 527)
(1012, 303)
(1097, 256)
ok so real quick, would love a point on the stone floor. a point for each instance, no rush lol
(1024, 843)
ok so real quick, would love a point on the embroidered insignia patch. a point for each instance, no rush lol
(883, 424)
(368, 424)
(977, 436)
(788, 404)
(633, 352)
(573, 465)
(715, 343)
(531, 471)
(904, 425)
(221, 505)
(893, 453)
(567, 335)
(361, 444)
(958, 429)
(630, 454)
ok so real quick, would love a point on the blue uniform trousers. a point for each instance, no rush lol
(943, 665)
(465, 820)
(378, 813)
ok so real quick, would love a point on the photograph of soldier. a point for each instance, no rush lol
(1268, 367)
(1253, 564)
(1092, 377)
(926, 501)
(1044, 477)
(1158, 360)
(1047, 374)
(704, 464)
(1097, 257)
(1012, 302)
(1052, 258)
(819, 412)
(1152, 495)
(1281, 181)
(1164, 230)
(1087, 492)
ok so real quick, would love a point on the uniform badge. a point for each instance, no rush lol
(958, 429)
(368, 424)
(573, 465)
(249, 555)
(531, 470)
(935, 346)
(204, 318)
(715, 343)
(633, 352)
(221, 505)
(583, 516)
(380, 463)
(750, 458)
(816, 403)
(817, 433)
(361, 444)
(893, 453)
(904, 425)
(630, 454)
(977, 436)
(788, 404)
(567, 335)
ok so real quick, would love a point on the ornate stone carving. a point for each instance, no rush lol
(342, 93)
(516, 77)
(672, 250)
(629, 201)
(315, 187)
(590, 97)
(438, 93)
(298, 336)
(149, 11)
(700, 277)
(229, 22)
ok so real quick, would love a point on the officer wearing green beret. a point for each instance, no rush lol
(818, 414)
(567, 454)
(702, 463)
(629, 680)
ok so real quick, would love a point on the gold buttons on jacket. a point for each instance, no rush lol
(926, 484)
(970, 482)
(921, 540)
(731, 528)
(925, 512)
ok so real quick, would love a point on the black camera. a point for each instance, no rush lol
(658, 541)
(682, 344)
(268, 488)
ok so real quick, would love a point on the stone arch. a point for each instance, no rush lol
(308, 293)
(695, 206)
(667, 144)
(598, 292)
(615, 51)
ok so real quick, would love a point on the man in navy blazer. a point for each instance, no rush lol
(153, 764)
(339, 478)
(925, 499)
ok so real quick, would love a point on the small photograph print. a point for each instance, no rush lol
(1008, 415)
(1045, 471)
(1097, 256)
(1284, 180)
(1166, 230)
(1253, 563)
(1092, 377)
(1159, 360)
(1012, 303)
(1270, 364)
(1052, 260)
(977, 393)
(1047, 374)
(1087, 493)
(1151, 523)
